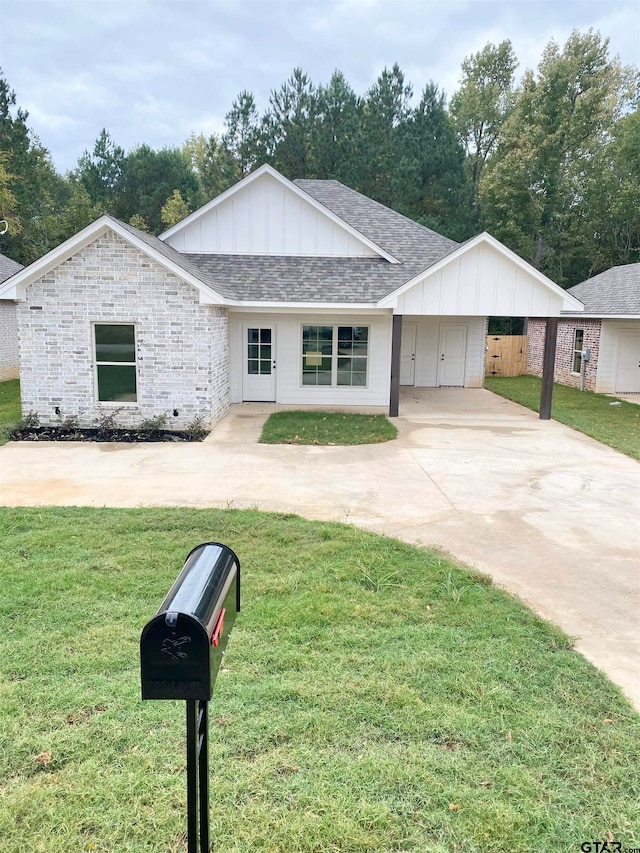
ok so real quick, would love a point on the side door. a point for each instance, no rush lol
(259, 364)
(452, 354)
(628, 368)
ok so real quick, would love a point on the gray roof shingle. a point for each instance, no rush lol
(8, 268)
(614, 291)
(288, 278)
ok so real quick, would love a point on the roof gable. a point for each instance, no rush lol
(14, 288)
(265, 214)
(481, 278)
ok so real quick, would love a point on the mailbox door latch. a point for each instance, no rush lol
(218, 628)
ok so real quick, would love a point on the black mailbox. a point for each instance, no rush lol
(181, 648)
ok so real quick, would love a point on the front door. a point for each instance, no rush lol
(259, 353)
(452, 354)
(408, 354)
(628, 372)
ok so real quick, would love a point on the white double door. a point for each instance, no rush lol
(259, 363)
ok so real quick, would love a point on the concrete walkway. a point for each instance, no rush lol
(550, 514)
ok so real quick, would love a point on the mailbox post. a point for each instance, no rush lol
(181, 649)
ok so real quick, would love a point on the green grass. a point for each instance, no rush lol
(326, 428)
(595, 415)
(9, 407)
(376, 697)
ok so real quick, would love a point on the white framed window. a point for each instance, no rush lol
(115, 362)
(578, 345)
(335, 355)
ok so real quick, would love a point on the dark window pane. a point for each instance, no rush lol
(265, 351)
(252, 336)
(115, 343)
(265, 366)
(252, 366)
(252, 351)
(345, 333)
(361, 333)
(117, 383)
(360, 364)
(265, 336)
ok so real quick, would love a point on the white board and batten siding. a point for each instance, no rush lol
(481, 282)
(612, 350)
(288, 357)
(268, 218)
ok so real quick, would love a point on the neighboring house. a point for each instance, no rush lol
(303, 293)
(9, 363)
(609, 327)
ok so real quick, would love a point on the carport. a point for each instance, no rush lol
(440, 317)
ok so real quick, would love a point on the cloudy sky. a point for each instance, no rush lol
(155, 70)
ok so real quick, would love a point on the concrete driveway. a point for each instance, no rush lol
(550, 514)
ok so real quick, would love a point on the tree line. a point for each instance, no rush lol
(549, 164)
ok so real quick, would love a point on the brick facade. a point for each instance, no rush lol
(182, 349)
(8, 341)
(563, 372)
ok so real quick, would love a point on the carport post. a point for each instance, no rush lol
(396, 342)
(548, 366)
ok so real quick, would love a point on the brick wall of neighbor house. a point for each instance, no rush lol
(8, 341)
(564, 350)
(182, 350)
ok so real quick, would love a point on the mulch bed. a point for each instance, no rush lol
(52, 433)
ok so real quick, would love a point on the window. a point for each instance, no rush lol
(335, 355)
(115, 363)
(578, 342)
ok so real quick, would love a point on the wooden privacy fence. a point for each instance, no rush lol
(506, 355)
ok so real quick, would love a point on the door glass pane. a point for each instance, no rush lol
(265, 336)
(253, 336)
(265, 366)
(253, 350)
(252, 366)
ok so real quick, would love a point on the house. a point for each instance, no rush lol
(609, 328)
(302, 293)
(8, 325)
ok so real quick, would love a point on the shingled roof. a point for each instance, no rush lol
(8, 268)
(614, 291)
(269, 278)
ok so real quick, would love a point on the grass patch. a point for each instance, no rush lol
(376, 697)
(9, 407)
(326, 428)
(595, 415)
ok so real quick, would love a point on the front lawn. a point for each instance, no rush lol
(612, 422)
(326, 428)
(9, 407)
(376, 697)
